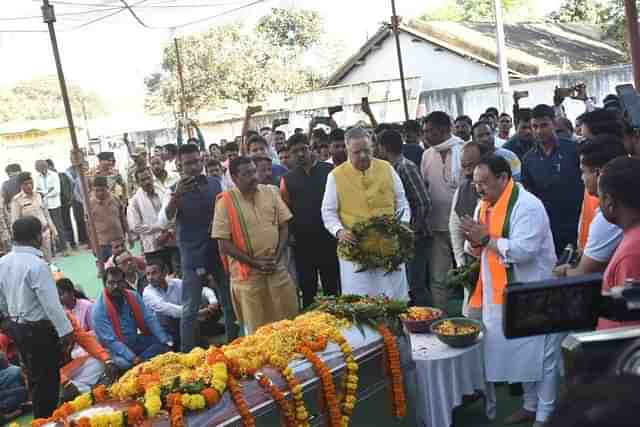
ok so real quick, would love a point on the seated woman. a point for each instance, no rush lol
(76, 302)
(13, 393)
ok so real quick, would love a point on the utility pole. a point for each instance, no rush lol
(49, 17)
(503, 69)
(631, 16)
(183, 109)
(395, 23)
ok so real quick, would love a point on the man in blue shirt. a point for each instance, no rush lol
(551, 171)
(192, 206)
(117, 315)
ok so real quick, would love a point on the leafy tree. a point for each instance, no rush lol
(40, 98)
(582, 11)
(612, 23)
(291, 27)
(479, 10)
(232, 63)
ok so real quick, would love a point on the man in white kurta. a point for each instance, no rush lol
(357, 190)
(524, 250)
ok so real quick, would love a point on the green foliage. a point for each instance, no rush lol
(231, 62)
(291, 27)
(39, 99)
(479, 10)
(612, 22)
(581, 11)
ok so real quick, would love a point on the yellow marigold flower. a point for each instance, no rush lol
(218, 385)
(82, 402)
(153, 405)
(297, 389)
(351, 386)
(352, 379)
(287, 372)
(352, 366)
(115, 419)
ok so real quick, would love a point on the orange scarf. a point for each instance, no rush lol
(589, 206)
(135, 309)
(499, 220)
(239, 233)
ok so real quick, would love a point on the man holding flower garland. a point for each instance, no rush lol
(356, 191)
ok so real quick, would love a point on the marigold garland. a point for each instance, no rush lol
(301, 414)
(241, 405)
(285, 406)
(383, 242)
(328, 388)
(350, 379)
(392, 356)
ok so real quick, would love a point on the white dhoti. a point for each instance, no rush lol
(373, 282)
(87, 375)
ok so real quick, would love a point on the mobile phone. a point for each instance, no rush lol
(323, 120)
(336, 109)
(280, 122)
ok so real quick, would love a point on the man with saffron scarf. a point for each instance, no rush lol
(251, 226)
(117, 316)
(512, 236)
(356, 191)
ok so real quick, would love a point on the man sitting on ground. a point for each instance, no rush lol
(117, 316)
(164, 297)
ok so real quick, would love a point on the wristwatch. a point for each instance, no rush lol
(485, 240)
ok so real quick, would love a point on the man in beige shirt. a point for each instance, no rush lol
(251, 225)
(108, 218)
(30, 203)
(441, 170)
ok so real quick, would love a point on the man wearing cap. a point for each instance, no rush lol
(29, 203)
(106, 168)
(139, 157)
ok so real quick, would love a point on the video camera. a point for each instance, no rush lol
(630, 104)
(576, 304)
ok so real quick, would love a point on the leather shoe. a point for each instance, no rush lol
(520, 416)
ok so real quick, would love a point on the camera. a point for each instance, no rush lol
(629, 102)
(575, 304)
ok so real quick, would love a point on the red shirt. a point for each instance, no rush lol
(625, 264)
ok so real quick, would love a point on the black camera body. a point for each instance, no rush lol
(575, 304)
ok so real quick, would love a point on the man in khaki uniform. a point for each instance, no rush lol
(29, 203)
(251, 225)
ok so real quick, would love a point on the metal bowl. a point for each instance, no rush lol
(421, 326)
(458, 341)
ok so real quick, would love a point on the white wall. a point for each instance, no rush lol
(474, 100)
(438, 68)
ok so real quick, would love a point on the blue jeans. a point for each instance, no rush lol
(418, 273)
(12, 390)
(191, 297)
(143, 346)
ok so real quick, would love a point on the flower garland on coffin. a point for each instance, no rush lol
(184, 382)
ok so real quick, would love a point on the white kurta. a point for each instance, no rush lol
(531, 251)
(371, 282)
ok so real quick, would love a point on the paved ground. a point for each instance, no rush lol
(80, 268)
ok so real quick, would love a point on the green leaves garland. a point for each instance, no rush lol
(382, 242)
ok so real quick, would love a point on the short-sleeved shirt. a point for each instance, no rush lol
(603, 239)
(556, 179)
(263, 214)
(623, 265)
(107, 218)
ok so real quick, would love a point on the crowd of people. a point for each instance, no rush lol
(247, 231)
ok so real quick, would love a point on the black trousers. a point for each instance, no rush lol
(316, 256)
(41, 356)
(81, 224)
(67, 225)
(61, 242)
